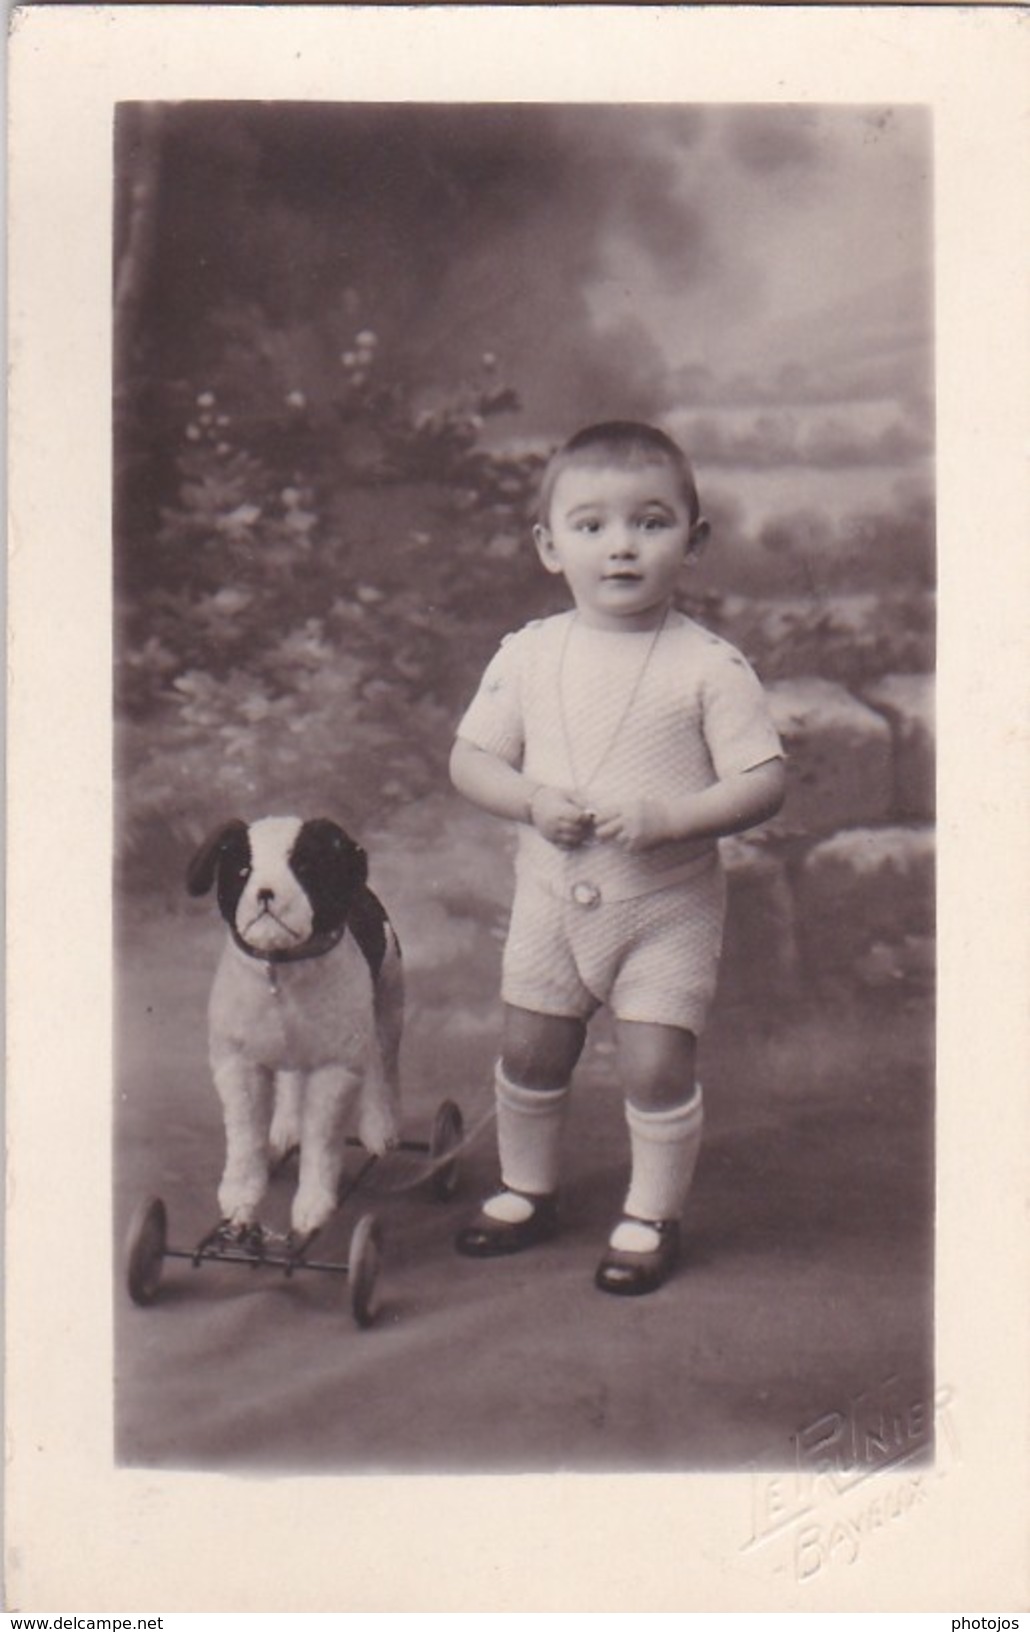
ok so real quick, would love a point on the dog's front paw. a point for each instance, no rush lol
(238, 1207)
(312, 1207)
(377, 1130)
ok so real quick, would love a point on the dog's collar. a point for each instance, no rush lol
(315, 947)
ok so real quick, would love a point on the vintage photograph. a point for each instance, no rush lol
(517, 876)
(524, 583)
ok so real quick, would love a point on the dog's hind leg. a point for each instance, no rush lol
(389, 1028)
(329, 1095)
(379, 1121)
(286, 1116)
(244, 1090)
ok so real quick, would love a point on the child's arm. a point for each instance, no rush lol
(490, 782)
(728, 806)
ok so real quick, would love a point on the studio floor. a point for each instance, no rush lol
(804, 1295)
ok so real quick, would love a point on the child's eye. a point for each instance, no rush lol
(588, 525)
(653, 524)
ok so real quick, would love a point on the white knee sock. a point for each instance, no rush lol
(664, 1147)
(529, 1130)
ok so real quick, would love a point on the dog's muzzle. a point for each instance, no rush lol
(264, 932)
(316, 946)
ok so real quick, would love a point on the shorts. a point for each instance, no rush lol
(654, 958)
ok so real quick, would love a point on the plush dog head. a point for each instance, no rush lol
(282, 882)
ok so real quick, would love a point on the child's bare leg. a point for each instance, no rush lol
(664, 1113)
(540, 1050)
(539, 1055)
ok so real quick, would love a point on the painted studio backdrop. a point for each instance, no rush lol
(346, 339)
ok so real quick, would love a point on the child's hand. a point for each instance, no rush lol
(559, 818)
(637, 824)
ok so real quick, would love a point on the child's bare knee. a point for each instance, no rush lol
(656, 1064)
(540, 1050)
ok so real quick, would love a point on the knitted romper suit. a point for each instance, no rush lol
(610, 716)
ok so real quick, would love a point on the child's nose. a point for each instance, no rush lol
(624, 542)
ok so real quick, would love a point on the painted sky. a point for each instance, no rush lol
(759, 278)
(773, 268)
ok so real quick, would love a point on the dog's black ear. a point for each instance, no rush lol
(200, 875)
(329, 838)
(331, 867)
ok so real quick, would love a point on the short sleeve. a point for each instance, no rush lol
(494, 719)
(737, 725)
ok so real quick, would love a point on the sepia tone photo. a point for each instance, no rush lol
(516, 810)
(348, 340)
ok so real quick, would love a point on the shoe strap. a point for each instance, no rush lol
(662, 1226)
(626, 1236)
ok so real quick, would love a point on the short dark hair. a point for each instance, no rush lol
(621, 442)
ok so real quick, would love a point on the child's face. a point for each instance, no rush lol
(620, 537)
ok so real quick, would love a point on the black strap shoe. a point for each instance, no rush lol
(630, 1274)
(489, 1237)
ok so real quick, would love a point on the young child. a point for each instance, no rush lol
(626, 740)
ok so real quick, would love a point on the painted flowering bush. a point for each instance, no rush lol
(295, 622)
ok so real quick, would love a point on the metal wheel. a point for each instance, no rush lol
(145, 1250)
(366, 1246)
(448, 1133)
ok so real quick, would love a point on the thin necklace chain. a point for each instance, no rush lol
(582, 784)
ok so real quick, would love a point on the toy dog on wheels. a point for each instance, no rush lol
(305, 1024)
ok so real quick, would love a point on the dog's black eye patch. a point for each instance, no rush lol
(226, 847)
(330, 866)
(234, 869)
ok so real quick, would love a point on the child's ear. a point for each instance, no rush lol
(545, 547)
(699, 536)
